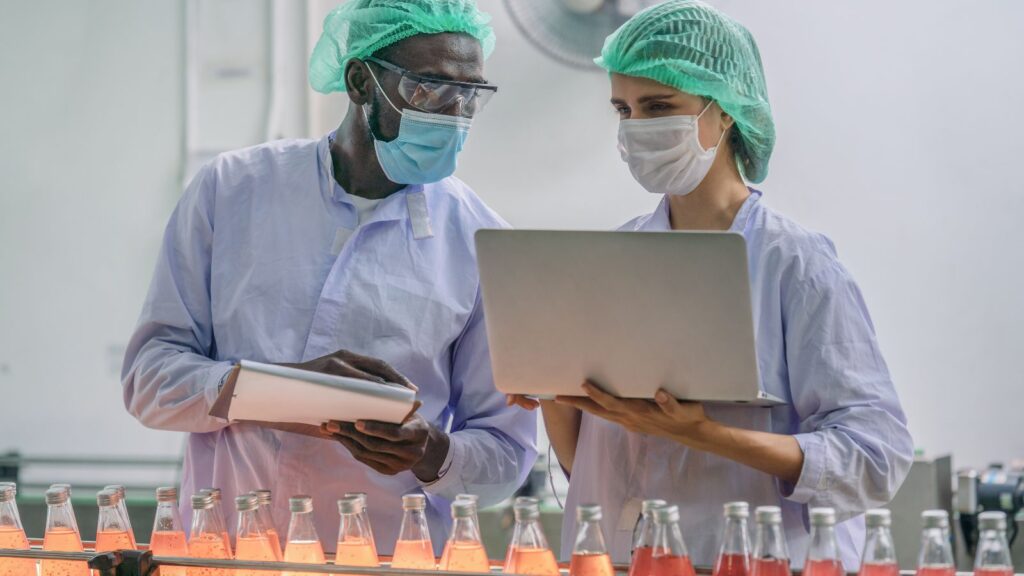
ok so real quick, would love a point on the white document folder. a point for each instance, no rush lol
(274, 394)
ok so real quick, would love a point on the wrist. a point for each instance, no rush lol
(434, 453)
(707, 436)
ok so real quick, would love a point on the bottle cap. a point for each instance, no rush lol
(463, 509)
(300, 504)
(202, 501)
(56, 496)
(666, 514)
(648, 505)
(935, 519)
(350, 505)
(822, 516)
(526, 509)
(107, 497)
(414, 502)
(993, 520)
(264, 496)
(588, 513)
(877, 518)
(167, 494)
(768, 515)
(247, 502)
(737, 510)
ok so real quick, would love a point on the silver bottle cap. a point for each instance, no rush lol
(649, 505)
(666, 514)
(264, 496)
(822, 516)
(167, 494)
(935, 519)
(588, 513)
(215, 492)
(463, 509)
(526, 509)
(414, 502)
(8, 490)
(64, 487)
(202, 501)
(247, 502)
(736, 510)
(57, 496)
(878, 517)
(994, 520)
(350, 505)
(121, 490)
(107, 497)
(300, 504)
(361, 495)
(768, 515)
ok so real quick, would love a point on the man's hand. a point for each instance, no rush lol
(352, 365)
(389, 449)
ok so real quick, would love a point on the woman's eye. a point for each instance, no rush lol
(658, 107)
(622, 110)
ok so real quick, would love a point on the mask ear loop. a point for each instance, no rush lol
(720, 138)
(383, 93)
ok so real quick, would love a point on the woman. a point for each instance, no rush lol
(689, 89)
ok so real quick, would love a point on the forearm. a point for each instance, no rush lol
(776, 454)
(563, 427)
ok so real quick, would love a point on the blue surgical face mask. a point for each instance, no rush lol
(427, 146)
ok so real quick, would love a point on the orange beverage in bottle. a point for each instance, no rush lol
(355, 546)
(731, 565)
(12, 534)
(771, 567)
(63, 540)
(275, 544)
(414, 554)
(930, 571)
(590, 565)
(533, 561)
(109, 541)
(669, 556)
(303, 542)
(168, 535)
(61, 535)
(252, 543)
(993, 551)
(465, 557)
(206, 539)
(672, 566)
(641, 563)
(824, 568)
(994, 572)
(266, 522)
(936, 556)
(414, 548)
(887, 569)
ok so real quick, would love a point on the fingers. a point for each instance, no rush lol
(390, 432)
(339, 367)
(604, 399)
(669, 405)
(583, 403)
(382, 463)
(404, 450)
(521, 401)
(379, 368)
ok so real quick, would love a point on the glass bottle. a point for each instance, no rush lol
(414, 549)
(251, 541)
(62, 535)
(168, 536)
(364, 515)
(464, 551)
(734, 554)
(643, 539)
(669, 556)
(111, 529)
(206, 537)
(529, 553)
(218, 517)
(823, 551)
(936, 556)
(770, 555)
(993, 552)
(303, 542)
(265, 517)
(879, 552)
(355, 544)
(122, 506)
(589, 554)
(12, 534)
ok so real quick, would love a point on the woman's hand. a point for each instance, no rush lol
(684, 422)
(522, 401)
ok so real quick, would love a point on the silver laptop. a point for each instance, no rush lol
(631, 311)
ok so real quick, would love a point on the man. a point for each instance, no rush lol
(330, 255)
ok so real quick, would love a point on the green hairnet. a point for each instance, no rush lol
(693, 47)
(359, 28)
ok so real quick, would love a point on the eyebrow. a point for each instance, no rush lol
(434, 75)
(645, 99)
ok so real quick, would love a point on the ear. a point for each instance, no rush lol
(358, 82)
(727, 120)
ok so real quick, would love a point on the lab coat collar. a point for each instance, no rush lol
(660, 221)
(409, 202)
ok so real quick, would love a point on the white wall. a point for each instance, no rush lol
(897, 124)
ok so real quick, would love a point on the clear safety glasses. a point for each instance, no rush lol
(465, 99)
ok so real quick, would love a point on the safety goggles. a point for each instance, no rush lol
(436, 96)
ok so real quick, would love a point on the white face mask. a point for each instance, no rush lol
(664, 154)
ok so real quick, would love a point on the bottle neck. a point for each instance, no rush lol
(878, 546)
(249, 525)
(167, 518)
(823, 544)
(643, 536)
(770, 542)
(9, 517)
(993, 550)
(735, 540)
(465, 530)
(414, 526)
(589, 539)
(110, 520)
(668, 541)
(529, 534)
(301, 528)
(205, 522)
(61, 516)
(935, 548)
(353, 528)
